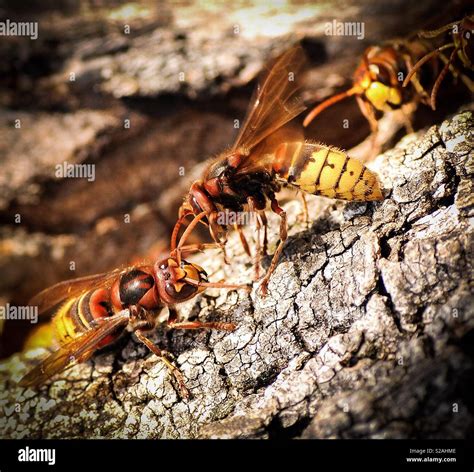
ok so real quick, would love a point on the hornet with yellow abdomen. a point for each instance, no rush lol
(400, 72)
(379, 78)
(95, 310)
(323, 170)
(266, 156)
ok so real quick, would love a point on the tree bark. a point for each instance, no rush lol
(367, 330)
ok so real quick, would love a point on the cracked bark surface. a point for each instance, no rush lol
(367, 330)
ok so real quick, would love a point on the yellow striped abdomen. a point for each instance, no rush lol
(326, 171)
(66, 326)
(41, 336)
(60, 330)
(81, 313)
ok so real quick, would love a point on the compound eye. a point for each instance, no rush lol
(185, 292)
(383, 76)
(163, 264)
(195, 205)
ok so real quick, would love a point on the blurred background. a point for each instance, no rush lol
(147, 91)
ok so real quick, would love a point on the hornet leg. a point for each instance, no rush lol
(283, 236)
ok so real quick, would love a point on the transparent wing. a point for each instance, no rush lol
(74, 352)
(264, 155)
(55, 294)
(274, 102)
